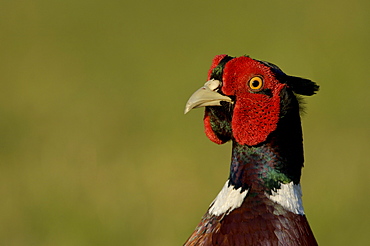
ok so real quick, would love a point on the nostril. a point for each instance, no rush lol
(213, 84)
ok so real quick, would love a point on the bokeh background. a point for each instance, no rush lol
(94, 146)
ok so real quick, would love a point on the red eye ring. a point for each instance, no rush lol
(256, 83)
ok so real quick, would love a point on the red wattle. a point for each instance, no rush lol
(252, 123)
(209, 131)
(255, 115)
(215, 62)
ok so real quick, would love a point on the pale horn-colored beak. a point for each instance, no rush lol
(206, 96)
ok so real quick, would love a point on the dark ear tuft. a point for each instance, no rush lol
(302, 86)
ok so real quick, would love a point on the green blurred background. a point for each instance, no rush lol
(94, 146)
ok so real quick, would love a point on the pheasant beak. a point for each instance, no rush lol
(206, 96)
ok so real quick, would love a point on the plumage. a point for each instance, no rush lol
(255, 105)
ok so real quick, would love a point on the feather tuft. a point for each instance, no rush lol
(302, 86)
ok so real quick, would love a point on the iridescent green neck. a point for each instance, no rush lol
(277, 160)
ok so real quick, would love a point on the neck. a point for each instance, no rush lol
(278, 160)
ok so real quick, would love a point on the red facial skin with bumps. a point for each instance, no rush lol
(209, 132)
(215, 62)
(207, 122)
(255, 115)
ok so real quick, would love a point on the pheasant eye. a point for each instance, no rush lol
(255, 83)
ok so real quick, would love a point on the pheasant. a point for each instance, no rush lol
(257, 106)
